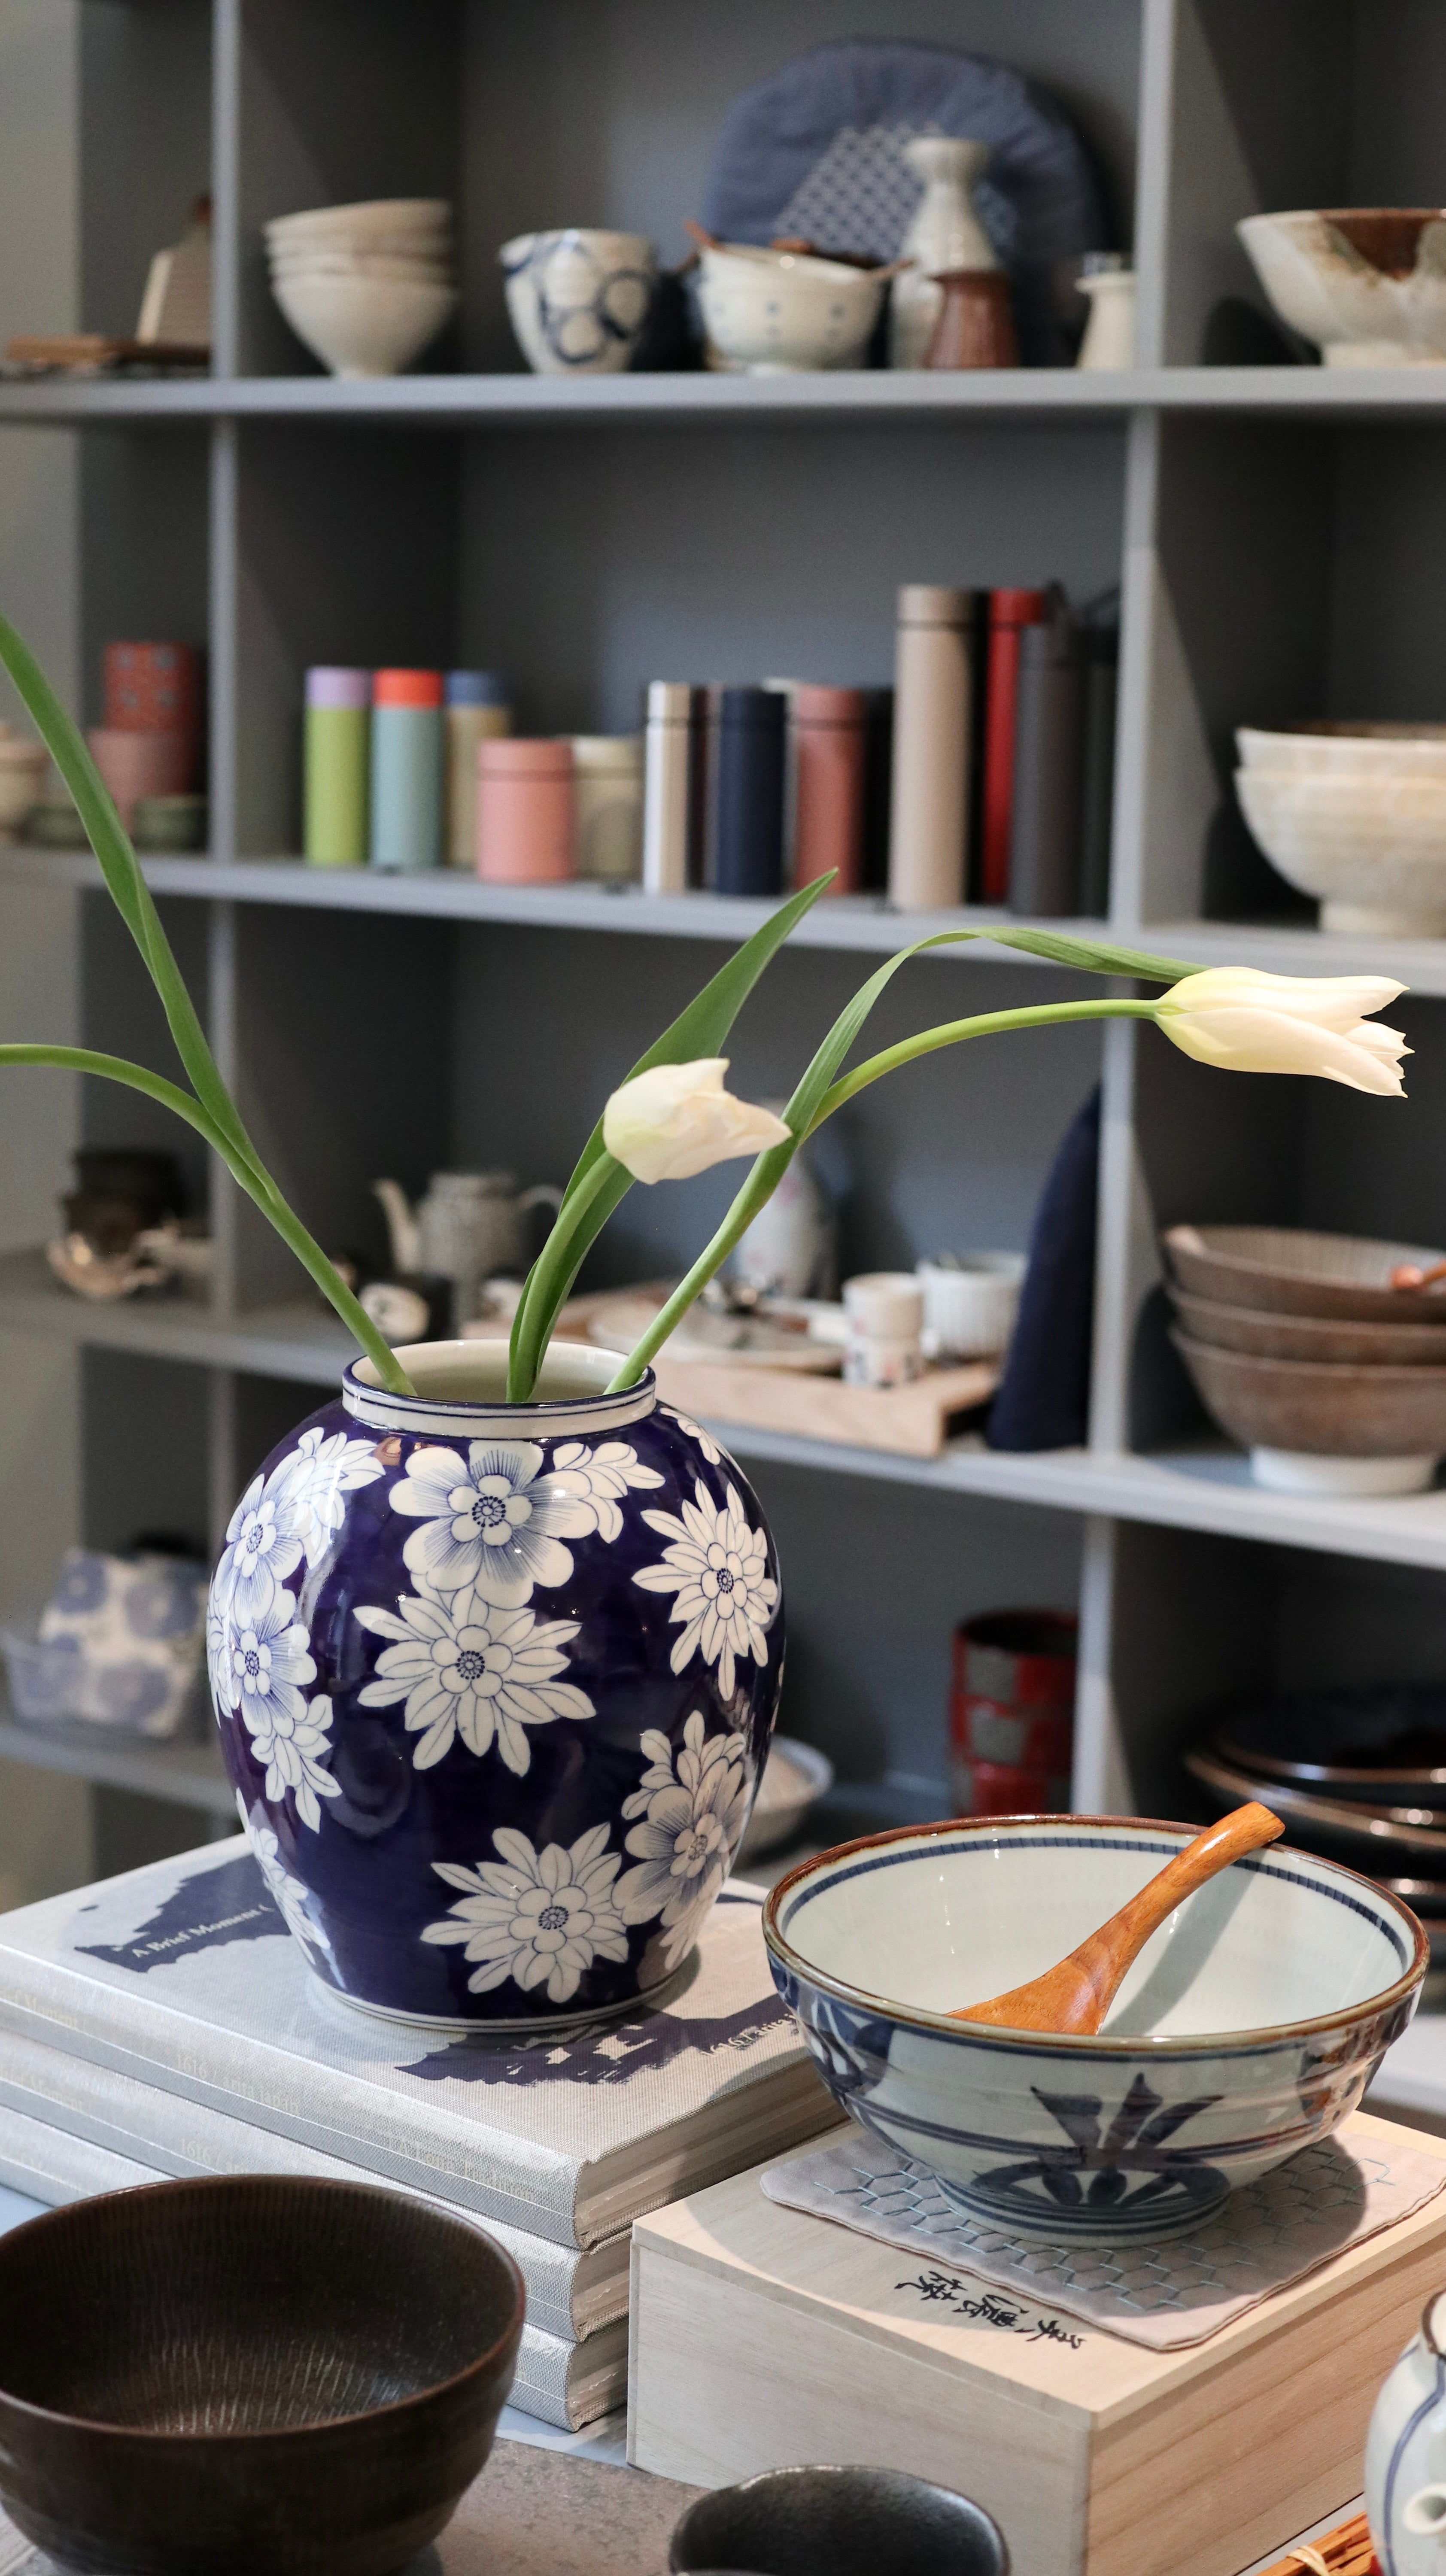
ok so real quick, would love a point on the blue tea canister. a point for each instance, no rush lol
(408, 764)
(477, 711)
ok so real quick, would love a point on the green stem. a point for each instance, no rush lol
(769, 1169)
(521, 1374)
(952, 1032)
(251, 1177)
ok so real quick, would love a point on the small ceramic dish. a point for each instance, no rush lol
(1366, 283)
(1388, 1424)
(1370, 848)
(55, 824)
(839, 2522)
(1285, 1963)
(262, 2375)
(161, 823)
(769, 312)
(1309, 1337)
(795, 1777)
(1290, 1271)
(1385, 1743)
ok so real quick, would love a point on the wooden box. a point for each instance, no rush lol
(763, 2337)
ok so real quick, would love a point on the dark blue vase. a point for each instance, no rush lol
(495, 1684)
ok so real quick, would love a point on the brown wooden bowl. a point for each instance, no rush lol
(253, 2376)
(1290, 1271)
(1320, 1411)
(1337, 1340)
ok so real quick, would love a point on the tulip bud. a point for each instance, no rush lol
(1247, 1022)
(677, 1119)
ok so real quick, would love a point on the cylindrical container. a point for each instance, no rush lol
(135, 765)
(608, 809)
(525, 812)
(1044, 838)
(970, 1303)
(153, 688)
(931, 747)
(830, 747)
(750, 791)
(406, 815)
(477, 711)
(1010, 611)
(885, 1311)
(336, 794)
(976, 321)
(1109, 284)
(667, 766)
(1011, 1722)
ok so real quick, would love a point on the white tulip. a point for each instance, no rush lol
(1247, 1022)
(677, 1119)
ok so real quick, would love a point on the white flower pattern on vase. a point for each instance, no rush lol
(494, 1521)
(695, 1431)
(718, 1568)
(540, 1918)
(295, 1750)
(466, 1669)
(288, 1893)
(694, 1817)
(265, 1664)
(290, 1514)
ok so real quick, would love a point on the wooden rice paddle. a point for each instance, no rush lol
(1079, 1992)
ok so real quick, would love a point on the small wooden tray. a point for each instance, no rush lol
(93, 352)
(911, 1420)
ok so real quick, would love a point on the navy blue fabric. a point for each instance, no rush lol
(1044, 1399)
(1039, 200)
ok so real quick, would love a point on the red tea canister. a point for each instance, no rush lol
(1012, 1713)
(526, 811)
(153, 688)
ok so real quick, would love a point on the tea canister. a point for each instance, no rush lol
(608, 809)
(406, 770)
(337, 759)
(477, 712)
(526, 806)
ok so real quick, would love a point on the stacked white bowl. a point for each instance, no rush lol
(366, 287)
(1354, 814)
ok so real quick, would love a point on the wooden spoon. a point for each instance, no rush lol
(1078, 1993)
(1409, 1274)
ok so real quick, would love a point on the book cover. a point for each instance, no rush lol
(183, 1975)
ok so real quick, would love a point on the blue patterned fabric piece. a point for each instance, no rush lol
(816, 150)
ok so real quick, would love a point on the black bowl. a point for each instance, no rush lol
(255, 2376)
(838, 2522)
(1385, 1744)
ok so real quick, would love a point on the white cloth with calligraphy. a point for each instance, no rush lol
(1164, 2293)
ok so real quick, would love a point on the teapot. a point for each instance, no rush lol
(469, 1225)
(1406, 2454)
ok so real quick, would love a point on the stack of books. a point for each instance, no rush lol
(165, 2023)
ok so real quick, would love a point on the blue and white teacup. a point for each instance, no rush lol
(578, 300)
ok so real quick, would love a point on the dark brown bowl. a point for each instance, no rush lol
(254, 2376)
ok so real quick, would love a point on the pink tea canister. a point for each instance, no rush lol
(526, 812)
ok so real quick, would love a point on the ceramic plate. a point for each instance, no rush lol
(719, 1341)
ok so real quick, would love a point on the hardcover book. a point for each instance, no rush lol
(183, 1976)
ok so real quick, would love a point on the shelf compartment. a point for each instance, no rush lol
(185, 1775)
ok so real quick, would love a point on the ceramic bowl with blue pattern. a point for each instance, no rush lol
(1248, 2028)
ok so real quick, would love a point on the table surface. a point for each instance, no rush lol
(546, 2502)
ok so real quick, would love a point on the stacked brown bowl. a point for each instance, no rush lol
(1304, 1351)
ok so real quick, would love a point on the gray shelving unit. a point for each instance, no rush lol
(1273, 531)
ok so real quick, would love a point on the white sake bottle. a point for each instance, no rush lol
(945, 233)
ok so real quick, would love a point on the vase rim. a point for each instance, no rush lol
(572, 1381)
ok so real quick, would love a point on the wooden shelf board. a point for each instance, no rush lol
(1062, 393)
(188, 1775)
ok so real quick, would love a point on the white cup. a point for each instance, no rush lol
(885, 1310)
(969, 1307)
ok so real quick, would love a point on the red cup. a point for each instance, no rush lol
(153, 688)
(143, 764)
(1012, 1712)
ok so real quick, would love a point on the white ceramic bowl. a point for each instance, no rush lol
(1321, 273)
(1356, 751)
(418, 271)
(770, 312)
(970, 1306)
(377, 215)
(1248, 2028)
(795, 1777)
(364, 326)
(1371, 849)
(578, 299)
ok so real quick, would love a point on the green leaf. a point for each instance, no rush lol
(1096, 956)
(121, 870)
(698, 1031)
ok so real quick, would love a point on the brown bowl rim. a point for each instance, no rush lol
(1344, 1816)
(196, 2184)
(1201, 2044)
(1425, 1375)
(1276, 1318)
(1277, 1270)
